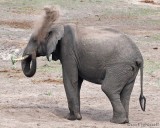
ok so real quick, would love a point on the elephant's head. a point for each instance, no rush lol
(43, 41)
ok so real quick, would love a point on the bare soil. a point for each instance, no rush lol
(17, 24)
(40, 101)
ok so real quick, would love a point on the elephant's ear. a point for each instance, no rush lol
(54, 36)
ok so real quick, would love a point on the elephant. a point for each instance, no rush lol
(99, 55)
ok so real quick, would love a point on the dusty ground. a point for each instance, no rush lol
(40, 102)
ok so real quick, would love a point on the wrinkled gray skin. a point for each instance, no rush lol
(101, 56)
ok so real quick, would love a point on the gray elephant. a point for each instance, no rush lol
(99, 55)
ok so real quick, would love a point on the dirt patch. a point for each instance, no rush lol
(10, 71)
(3, 71)
(17, 24)
(148, 1)
(48, 80)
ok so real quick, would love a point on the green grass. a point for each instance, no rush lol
(151, 66)
(113, 6)
(158, 82)
(48, 93)
(67, 4)
(51, 67)
(40, 3)
(132, 11)
(156, 37)
(152, 38)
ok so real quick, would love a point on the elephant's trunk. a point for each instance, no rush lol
(29, 65)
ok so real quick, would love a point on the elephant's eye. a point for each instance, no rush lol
(48, 35)
(35, 40)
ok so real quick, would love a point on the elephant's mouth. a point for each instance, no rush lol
(29, 65)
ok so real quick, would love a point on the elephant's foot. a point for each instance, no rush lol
(74, 116)
(71, 117)
(78, 115)
(119, 120)
(127, 120)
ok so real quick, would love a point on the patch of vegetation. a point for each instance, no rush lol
(156, 37)
(48, 93)
(158, 82)
(52, 67)
(150, 38)
(33, 5)
(151, 66)
(41, 3)
(133, 11)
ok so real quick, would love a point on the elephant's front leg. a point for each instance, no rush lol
(72, 88)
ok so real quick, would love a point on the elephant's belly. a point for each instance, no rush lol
(92, 75)
(92, 68)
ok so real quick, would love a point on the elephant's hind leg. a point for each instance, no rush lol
(119, 114)
(115, 80)
(125, 97)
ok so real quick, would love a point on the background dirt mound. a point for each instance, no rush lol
(148, 1)
(49, 80)
(17, 24)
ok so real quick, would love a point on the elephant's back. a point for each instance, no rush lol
(97, 33)
(108, 44)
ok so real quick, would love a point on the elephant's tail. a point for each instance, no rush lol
(142, 99)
